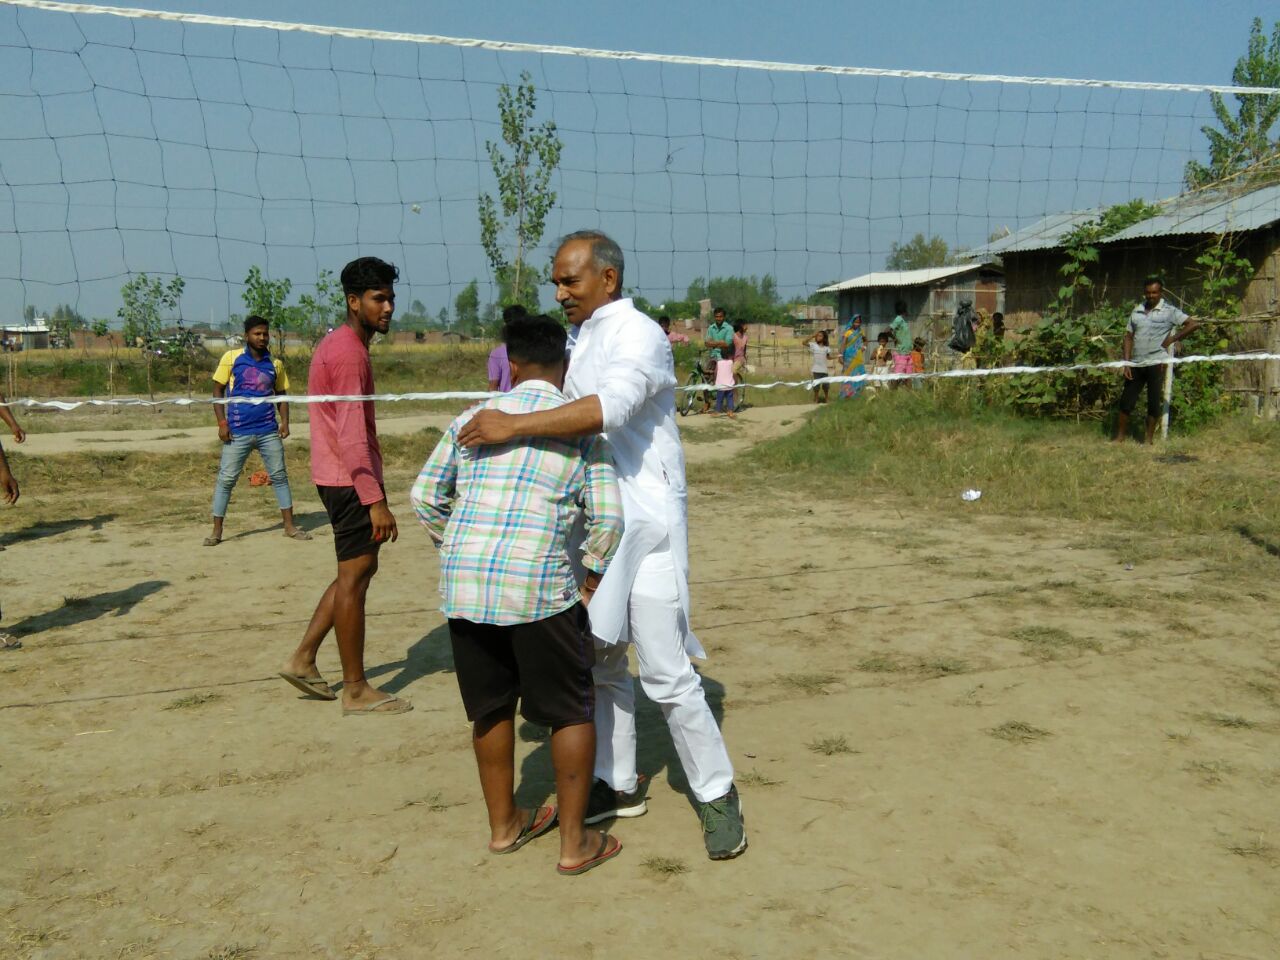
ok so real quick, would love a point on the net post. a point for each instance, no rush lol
(1168, 394)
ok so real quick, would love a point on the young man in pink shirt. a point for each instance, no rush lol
(346, 467)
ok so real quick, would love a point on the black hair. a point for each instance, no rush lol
(514, 312)
(664, 319)
(253, 320)
(368, 273)
(997, 316)
(739, 326)
(1150, 280)
(719, 310)
(900, 307)
(882, 335)
(538, 340)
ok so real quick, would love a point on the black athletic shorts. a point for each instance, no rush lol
(352, 528)
(546, 665)
(1153, 379)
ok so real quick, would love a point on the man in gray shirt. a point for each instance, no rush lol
(1153, 327)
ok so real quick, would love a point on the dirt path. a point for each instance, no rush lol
(756, 424)
(954, 738)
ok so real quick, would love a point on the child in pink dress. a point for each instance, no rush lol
(724, 387)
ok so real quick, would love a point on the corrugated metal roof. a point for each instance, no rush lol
(1209, 213)
(901, 278)
(1194, 213)
(1041, 235)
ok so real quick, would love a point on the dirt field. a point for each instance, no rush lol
(956, 737)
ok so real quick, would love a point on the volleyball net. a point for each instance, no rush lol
(202, 147)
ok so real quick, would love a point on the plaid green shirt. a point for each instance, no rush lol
(502, 516)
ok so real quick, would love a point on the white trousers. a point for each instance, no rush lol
(657, 629)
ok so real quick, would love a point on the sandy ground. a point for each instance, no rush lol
(955, 737)
(173, 440)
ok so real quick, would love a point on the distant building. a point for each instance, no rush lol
(1165, 246)
(931, 294)
(26, 336)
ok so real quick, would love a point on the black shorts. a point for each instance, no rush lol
(352, 528)
(546, 665)
(1153, 379)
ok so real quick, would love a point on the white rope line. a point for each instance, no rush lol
(505, 46)
(250, 401)
(1003, 371)
(692, 388)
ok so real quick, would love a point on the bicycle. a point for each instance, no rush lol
(698, 377)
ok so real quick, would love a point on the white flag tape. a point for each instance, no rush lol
(485, 395)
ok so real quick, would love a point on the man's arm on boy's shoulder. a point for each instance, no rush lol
(601, 501)
(434, 491)
(638, 366)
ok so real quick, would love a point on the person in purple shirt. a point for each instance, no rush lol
(499, 368)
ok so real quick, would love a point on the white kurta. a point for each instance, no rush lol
(623, 358)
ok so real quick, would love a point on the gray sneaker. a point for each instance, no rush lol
(606, 803)
(722, 826)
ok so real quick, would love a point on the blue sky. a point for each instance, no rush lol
(202, 150)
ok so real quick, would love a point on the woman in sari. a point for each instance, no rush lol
(852, 357)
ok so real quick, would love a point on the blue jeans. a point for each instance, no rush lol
(234, 454)
(724, 400)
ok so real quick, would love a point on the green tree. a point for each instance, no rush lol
(265, 298)
(525, 197)
(144, 298)
(101, 327)
(316, 313)
(826, 299)
(917, 253)
(29, 312)
(63, 323)
(466, 308)
(415, 317)
(1244, 144)
(751, 299)
(442, 318)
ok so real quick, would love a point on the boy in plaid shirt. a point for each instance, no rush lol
(503, 517)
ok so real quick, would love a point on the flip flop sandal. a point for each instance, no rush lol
(211, 541)
(299, 535)
(539, 823)
(388, 707)
(9, 642)
(311, 686)
(604, 853)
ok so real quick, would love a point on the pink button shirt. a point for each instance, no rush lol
(344, 436)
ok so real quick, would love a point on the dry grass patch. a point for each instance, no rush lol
(1016, 731)
(1256, 849)
(754, 778)
(665, 866)
(1052, 643)
(435, 803)
(1228, 720)
(941, 666)
(1210, 772)
(830, 746)
(192, 700)
(811, 684)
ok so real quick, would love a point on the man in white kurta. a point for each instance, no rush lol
(622, 381)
